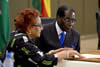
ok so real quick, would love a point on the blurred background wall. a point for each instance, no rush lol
(85, 12)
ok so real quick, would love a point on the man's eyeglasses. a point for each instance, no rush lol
(70, 20)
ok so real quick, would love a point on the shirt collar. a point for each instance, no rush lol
(59, 31)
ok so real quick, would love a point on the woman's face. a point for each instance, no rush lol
(36, 28)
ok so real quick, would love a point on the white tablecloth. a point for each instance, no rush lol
(72, 63)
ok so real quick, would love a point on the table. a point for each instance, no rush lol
(91, 62)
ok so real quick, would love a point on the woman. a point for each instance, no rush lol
(26, 53)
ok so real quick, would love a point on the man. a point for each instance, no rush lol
(60, 33)
(98, 27)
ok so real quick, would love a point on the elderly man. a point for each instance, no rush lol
(60, 33)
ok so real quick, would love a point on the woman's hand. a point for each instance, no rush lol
(72, 53)
(65, 54)
(59, 50)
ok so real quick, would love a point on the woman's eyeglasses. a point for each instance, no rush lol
(39, 26)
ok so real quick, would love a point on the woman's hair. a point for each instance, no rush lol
(25, 18)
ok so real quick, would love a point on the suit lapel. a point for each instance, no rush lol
(68, 39)
(55, 37)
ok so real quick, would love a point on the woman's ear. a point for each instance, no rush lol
(28, 29)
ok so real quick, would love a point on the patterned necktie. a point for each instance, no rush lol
(62, 39)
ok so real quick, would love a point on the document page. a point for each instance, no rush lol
(89, 56)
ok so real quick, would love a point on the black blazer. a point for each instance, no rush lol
(49, 39)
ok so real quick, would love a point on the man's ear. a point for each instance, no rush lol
(58, 18)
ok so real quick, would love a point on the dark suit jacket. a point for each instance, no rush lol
(49, 39)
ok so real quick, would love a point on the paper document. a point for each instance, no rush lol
(89, 56)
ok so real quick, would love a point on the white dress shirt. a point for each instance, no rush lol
(59, 31)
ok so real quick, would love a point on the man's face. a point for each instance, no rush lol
(67, 21)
